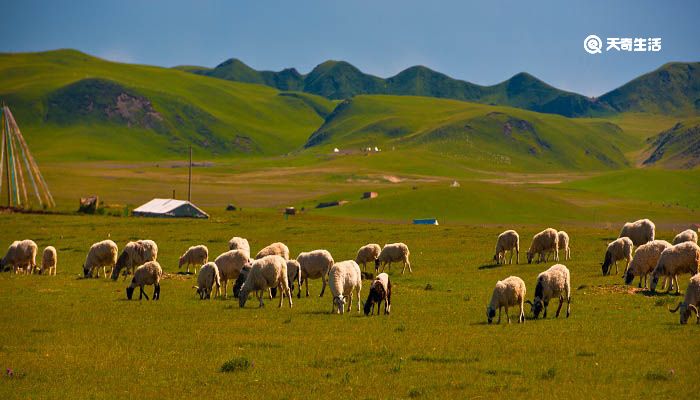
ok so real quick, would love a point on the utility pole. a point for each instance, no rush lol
(189, 181)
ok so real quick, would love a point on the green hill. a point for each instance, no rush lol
(109, 110)
(678, 147)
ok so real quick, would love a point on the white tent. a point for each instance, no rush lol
(170, 208)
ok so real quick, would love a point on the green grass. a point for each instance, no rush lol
(65, 337)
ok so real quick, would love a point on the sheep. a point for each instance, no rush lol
(542, 243)
(241, 280)
(293, 274)
(563, 238)
(617, 250)
(49, 260)
(133, 255)
(269, 271)
(206, 279)
(691, 301)
(679, 259)
(379, 290)
(645, 258)
(239, 243)
(149, 273)
(102, 254)
(195, 256)
(21, 256)
(507, 293)
(277, 248)
(345, 278)
(687, 235)
(367, 253)
(507, 241)
(556, 281)
(314, 264)
(394, 252)
(641, 231)
(230, 264)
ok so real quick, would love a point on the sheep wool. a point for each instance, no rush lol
(207, 278)
(691, 302)
(195, 256)
(618, 249)
(687, 235)
(135, 254)
(345, 279)
(230, 265)
(394, 252)
(21, 256)
(102, 254)
(239, 243)
(682, 258)
(367, 254)
(147, 274)
(509, 292)
(644, 260)
(49, 259)
(563, 238)
(379, 290)
(641, 231)
(508, 241)
(552, 283)
(277, 248)
(314, 265)
(267, 272)
(543, 243)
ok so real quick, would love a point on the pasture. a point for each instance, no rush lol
(80, 338)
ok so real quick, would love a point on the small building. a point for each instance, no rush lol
(426, 221)
(169, 208)
(327, 204)
(370, 195)
(290, 211)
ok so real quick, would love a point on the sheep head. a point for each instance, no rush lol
(243, 296)
(530, 256)
(490, 313)
(339, 302)
(654, 281)
(685, 310)
(129, 292)
(86, 271)
(607, 263)
(121, 263)
(629, 276)
(537, 306)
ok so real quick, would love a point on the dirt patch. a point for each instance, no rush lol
(178, 276)
(624, 289)
(392, 178)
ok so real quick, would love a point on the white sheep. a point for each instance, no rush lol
(687, 235)
(276, 248)
(102, 254)
(207, 278)
(394, 252)
(21, 256)
(563, 238)
(367, 254)
(552, 283)
(618, 249)
(230, 264)
(543, 243)
(293, 274)
(267, 272)
(641, 231)
(509, 292)
(644, 260)
(314, 264)
(379, 290)
(679, 259)
(691, 303)
(49, 259)
(149, 273)
(135, 254)
(239, 243)
(507, 241)
(344, 278)
(195, 256)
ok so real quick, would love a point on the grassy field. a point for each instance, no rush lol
(75, 338)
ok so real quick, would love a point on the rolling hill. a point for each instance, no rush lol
(678, 147)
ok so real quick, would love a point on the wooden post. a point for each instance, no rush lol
(189, 180)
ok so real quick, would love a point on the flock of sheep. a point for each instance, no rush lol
(272, 270)
(657, 258)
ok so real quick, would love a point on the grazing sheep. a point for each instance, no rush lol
(507, 293)
(394, 252)
(293, 274)
(542, 243)
(230, 264)
(344, 278)
(206, 279)
(135, 254)
(691, 301)
(267, 272)
(102, 254)
(675, 260)
(239, 243)
(556, 281)
(641, 231)
(379, 291)
(21, 256)
(687, 235)
(242, 276)
(645, 258)
(617, 250)
(146, 274)
(49, 259)
(277, 248)
(507, 241)
(367, 254)
(314, 264)
(563, 238)
(195, 256)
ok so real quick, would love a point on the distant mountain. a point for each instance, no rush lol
(678, 147)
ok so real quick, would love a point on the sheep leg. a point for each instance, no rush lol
(281, 291)
(323, 288)
(289, 293)
(259, 295)
(406, 262)
(307, 286)
(546, 303)
(568, 306)
(358, 301)
(561, 302)
(675, 278)
(507, 316)
(156, 291)
(521, 315)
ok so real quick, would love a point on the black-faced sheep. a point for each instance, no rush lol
(619, 249)
(691, 301)
(21, 256)
(314, 264)
(269, 271)
(194, 256)
(135, 254)
(641, 231)
(49, 259)
(687, 235)
(102, 254)
(543, 243)
(552, 283)
(379, 290)
(278, 248)
(345, 278)
(207, 278)
(149, 273)
(682, 258)
(394, 252)
(367, 254)
(508, 241)
(509, 292)
(644, 260)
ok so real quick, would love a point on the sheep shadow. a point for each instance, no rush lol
(491, 266)
(649, 293)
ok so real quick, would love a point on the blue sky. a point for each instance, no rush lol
(481, 42)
